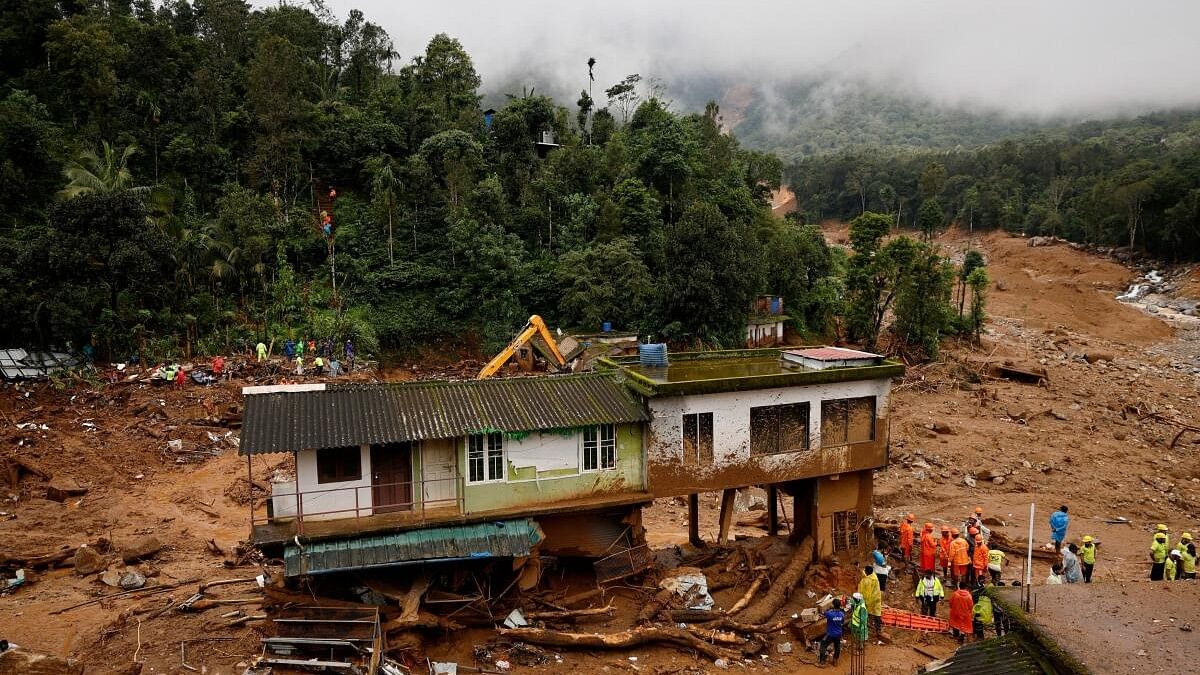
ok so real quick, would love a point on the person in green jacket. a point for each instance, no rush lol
(262, 352)
(1087, 556)
(1187, 553)
(982, 615)
(1158, 556)
(858, 618)
(868, 586)
(1171, 568)
(929, 592)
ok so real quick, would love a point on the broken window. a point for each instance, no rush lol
(599, 447)
(339, 465)
(847, 420)
(845, 530)
(485, 457)
(698, 438)
(778, 428)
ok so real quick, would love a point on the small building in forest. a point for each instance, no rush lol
(765, 324)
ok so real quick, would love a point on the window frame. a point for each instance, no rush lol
(700, 456)
(776, 410)
(491, 448)
(597, 448)
(340, 463)
(845, 537)
(846, 405)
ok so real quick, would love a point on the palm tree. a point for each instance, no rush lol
(93, 174)
(384, 181)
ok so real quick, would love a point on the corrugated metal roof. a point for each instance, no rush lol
(507, 539)
(1007, 655)
(833, 353)
(342, 415)
(18, 364)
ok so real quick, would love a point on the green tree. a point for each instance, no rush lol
(930, 218)
(933, 180)
(870, 278)
(923, 299)
(605, 282)
(385, 180)
(978, 281)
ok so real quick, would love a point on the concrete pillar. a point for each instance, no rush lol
(694, 520)
(728, 496)
(772, 510)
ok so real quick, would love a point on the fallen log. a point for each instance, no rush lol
(580, 597)
(38, 561)
(785, 583)
(717, 637)
(655, 605)
(998, 540)
(149, 590)
(623, 640)
(744, 601)
(569, 613)
(694, 615)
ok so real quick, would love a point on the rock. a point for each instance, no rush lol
(1026, 464)
(784, 648)
(1040, 241)
(992, 521)
(1093, 357)
(88, 561)
(941, 428)
(62, 489)
(1119, 435)
(132, 579)
(112, 577)
(968, 481)
(921, 464)
(146, 548)
(991, 474)
(998, 480)
(19, 660)
(1059, 416)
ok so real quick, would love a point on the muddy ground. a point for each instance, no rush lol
(1094, 436)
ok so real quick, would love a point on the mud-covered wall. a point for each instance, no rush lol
(528, 486)
(844, 492)
(733, 465)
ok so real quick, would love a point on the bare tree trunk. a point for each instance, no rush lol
(765, 608)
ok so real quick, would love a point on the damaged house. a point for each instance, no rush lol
(812, 422)
(404, 473)
(395, 474)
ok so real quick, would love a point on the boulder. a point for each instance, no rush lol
(1093, 357)
(62, 489)
(998, 480)
(88, 561)
(941, 428)
(146, 548)
(132, 579)
(969, 481)
(19, 661)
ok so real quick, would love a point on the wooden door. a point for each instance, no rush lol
(391, 477)
(439, 470)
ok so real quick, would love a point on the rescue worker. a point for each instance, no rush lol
(349, 349)
(289, 349)
(906, 537)
(1158, 556)
(979, 559)
(858, 618)
(982, 615)
(261, 349)
(1070, 556)
(944, 550)
(1166, 533)
(929, 592)
(180, 378)
(299, 364)
(868, 588)
(319, 365)
(962, 608)
(835, 618)
(332, 193)
(975, 520)
(929, 548)
(1058, 526)
(960, 559)
(299, 349)
(311, 347)
(996, 561)
(1171, 567)
(1087, 555)
(1187, 553)
(970, 536)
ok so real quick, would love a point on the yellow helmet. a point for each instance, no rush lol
(1186, 535)
(1087, 539)
(1160, 527)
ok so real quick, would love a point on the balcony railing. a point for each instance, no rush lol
(407, 500)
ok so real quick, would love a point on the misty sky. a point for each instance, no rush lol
(1027, 56)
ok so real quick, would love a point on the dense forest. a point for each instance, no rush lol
(179, 178)
(1132, 183)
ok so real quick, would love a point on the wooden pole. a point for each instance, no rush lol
(694, 519)
(728, 495)
(772, 510)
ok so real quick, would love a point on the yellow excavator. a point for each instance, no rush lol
(535, 326)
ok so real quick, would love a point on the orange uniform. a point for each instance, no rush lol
(944, 550)
(906, 538)
(960, 557)
(962, 609)
(929, 547)
(981, 559)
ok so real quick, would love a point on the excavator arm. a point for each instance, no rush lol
(535, 326)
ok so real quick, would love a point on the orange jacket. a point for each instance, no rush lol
(981, 557)
(958, 552)
(962, 609)
(944, 547)
(906, 535)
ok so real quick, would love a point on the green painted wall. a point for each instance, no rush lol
(522, 488)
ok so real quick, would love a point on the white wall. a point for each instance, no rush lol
(545, 452)
(731, 416)
(342, 500)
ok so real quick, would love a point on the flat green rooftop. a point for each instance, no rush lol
(735, 370)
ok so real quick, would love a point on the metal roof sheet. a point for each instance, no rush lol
(1007, 655)
(19, 364)
(507, 539)
(342, 415)
(833, 354)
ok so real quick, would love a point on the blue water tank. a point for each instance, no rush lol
(606, 327)
(653, 354)
(776, 305)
